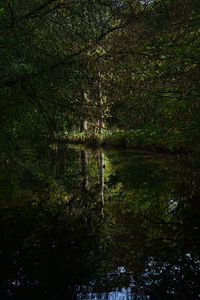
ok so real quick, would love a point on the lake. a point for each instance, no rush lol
(99, 224)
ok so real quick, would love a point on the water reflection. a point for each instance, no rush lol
(124, 294)
(80, 224)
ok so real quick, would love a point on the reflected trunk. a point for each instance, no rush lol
(101, 178)
(85, 169)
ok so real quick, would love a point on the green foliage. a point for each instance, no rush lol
(131, 67)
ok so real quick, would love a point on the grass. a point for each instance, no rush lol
(172, 141)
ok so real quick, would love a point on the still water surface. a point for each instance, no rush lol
(115, 225)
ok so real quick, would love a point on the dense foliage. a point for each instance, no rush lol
(84, 65)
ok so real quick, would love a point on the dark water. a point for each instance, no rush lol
(117, 225)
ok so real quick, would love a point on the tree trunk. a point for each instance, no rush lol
(84, 122)
(101, 114)
(84, 125)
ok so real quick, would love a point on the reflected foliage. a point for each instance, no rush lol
(80, 224)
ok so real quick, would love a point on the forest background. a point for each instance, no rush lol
(109, 72)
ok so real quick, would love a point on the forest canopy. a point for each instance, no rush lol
(97, 65)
